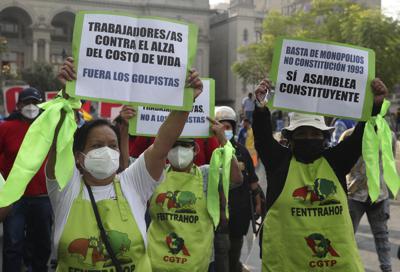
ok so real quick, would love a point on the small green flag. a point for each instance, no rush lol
(220, 163)
(373, 142)
(36, 146)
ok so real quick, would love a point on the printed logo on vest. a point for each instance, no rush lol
(322, 191)
(180, 203)
(321, 247)
(176, 245)
(90, 252)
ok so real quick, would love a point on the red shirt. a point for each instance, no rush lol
(11, 135)
(139, 144)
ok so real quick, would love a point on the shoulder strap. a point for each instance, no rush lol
(103, 234)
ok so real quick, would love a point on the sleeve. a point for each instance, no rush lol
(54, 192)
(270, 151)
(3, 136)
(344, 156)
(340, 127)
(137, 179)
(252, 176)
(210, 145)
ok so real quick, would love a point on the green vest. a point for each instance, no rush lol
(308, 228)
(81, 247)
(181, 231)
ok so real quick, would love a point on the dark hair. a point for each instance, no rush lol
(82, 133)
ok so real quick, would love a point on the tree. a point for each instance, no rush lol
(330, 20)
(42, 77)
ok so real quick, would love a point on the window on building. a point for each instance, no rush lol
(10, 29)
(258, 36)
(245, 35)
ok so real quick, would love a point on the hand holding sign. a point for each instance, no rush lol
(379, 90)
(218, 130)
(67, 72)
(261, 92)
(195, 82)
(127, 113)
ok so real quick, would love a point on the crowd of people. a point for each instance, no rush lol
(181, 204)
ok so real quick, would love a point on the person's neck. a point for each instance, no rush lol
(91, 181)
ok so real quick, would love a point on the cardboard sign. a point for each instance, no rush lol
(128, 59)
(323, 78)
(148, 119)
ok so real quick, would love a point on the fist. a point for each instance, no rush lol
(262, 90)
(379, 90)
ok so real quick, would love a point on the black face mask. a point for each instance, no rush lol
(308, 150)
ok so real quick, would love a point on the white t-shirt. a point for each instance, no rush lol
(136, 184)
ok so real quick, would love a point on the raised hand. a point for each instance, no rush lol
(195, 82)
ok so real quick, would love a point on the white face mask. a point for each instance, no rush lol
(180, 157)
(30, 111)
(102, 162)
(228, 134)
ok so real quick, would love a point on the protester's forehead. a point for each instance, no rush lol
(185, 142)
(101, 133)
(226, 124)
(307, 129)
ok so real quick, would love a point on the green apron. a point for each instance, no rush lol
(181, 231)
(81, 247)
(308, 228)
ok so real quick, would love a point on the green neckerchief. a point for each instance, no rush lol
(36, 146)
(220, 163)
(373, 142)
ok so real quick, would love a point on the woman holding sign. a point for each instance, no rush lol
(181, 232)
(308, 225)
(99, 215)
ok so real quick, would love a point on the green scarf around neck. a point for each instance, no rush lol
(36, 145)
(373, 142)
(220, 163)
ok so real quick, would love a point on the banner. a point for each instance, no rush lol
(10, 97)
(148, 119)
(127, 59)
(50, 95)
(109, 111)
(324, 78)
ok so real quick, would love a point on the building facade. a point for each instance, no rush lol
(291, 6)
(239, 25)
(41, 30)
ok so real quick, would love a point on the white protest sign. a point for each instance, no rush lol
(323, 78)
(148, 119)
(129, 59)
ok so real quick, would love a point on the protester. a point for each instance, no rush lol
(27, 228)
(229, 235)
(340, 125)
(181, 232)
(248, 106)
(205, 147)
(308, 226)
(99, 216)
(378, 213)
(242, 136)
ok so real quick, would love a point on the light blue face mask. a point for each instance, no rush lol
(228, 134)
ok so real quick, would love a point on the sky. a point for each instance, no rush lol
(390, 7)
